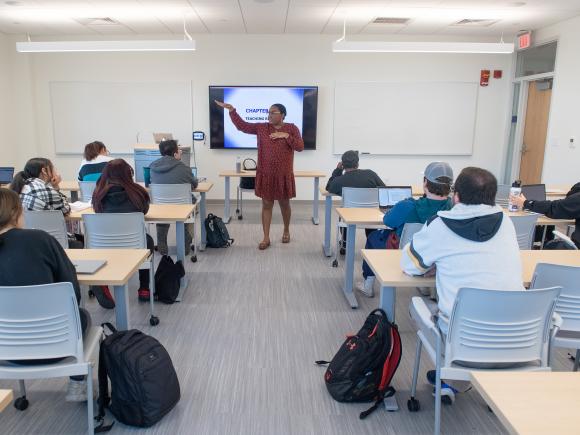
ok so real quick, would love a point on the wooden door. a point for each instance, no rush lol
(535, 131)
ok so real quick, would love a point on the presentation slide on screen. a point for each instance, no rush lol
(252, 104)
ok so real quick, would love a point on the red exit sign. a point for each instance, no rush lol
(524, 40)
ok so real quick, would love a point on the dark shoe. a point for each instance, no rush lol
(342, 251)
(104, 297)
(144, 294)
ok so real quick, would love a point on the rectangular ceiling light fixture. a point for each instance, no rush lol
(343, 46)
(76, 46)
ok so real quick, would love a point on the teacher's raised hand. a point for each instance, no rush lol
(279, 135)
(224, 105)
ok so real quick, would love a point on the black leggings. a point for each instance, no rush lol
(144, 273)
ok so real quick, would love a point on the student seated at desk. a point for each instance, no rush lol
(34, 257)
(347, 174)
(472, 245)
(95, 158)
(38, 187)
(566, 208)
(169, 169)
(437, 180)
(116, 192)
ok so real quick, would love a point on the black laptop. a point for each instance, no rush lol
(534, 192)
(6, 175)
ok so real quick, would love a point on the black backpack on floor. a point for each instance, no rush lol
(144, 385)
(217, 232)
(363, 367)
(167, 279)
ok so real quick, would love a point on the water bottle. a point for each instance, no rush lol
(515, 190)
(238, 164)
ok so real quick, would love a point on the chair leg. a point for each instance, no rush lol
(22, 388)
(437, 429)
(576, 360)
(416, 367)
(90, 409)
(338, 244)
(241, 205)
(153, 319)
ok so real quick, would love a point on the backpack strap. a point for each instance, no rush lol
(387, 393)
(104, 399)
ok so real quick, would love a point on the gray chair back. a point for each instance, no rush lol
(525, 226)
(51, 221)
(87, 188)
(115, 230)
(170, 193)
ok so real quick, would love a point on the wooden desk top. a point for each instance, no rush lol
(154, 147)
(157, 212)
(417, 190)
(387, 265)
(298, 174)
(73, 186)
(532, 402)
(559, 190)
(372, 216)
(6, 397)
(121, 264)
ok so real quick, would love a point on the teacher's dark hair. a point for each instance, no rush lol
(32, 169)
(93, 149)
(476, 186)
(280, 107)
(168, 147)
(10, 208)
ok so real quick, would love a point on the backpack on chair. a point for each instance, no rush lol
(363, 367)
(216, 232)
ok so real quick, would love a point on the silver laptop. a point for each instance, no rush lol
(160, 137)
(389, 196)
(88, 267)
(535, 192)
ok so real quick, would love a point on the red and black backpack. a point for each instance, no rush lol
(363, 367)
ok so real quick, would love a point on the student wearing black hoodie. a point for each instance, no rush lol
(34, 257)
(566, 208)
(169, 169)
(116, 192)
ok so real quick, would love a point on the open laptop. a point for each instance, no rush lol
(6, 175)
(534, 192)
(389, 196)
(159, 137)
(88, 267)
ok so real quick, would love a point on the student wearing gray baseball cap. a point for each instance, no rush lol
(437, 180)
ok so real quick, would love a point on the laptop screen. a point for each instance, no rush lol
(194, 171)
(389, 196)
(535, 192)
(6, 175)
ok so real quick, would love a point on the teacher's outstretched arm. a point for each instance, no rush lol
(240, 124)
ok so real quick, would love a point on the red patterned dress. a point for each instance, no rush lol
(275, 172)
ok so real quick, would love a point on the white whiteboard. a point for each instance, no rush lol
(118, 114)
(405, 118)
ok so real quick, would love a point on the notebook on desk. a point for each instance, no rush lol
(389, 196)
(88, 267)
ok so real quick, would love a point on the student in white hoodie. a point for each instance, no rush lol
(472, 245)
(95, 157)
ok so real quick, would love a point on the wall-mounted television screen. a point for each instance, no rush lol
(252, 104)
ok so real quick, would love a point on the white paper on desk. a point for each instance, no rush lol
(79, 206)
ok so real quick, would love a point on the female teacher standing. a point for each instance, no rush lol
(277, 142)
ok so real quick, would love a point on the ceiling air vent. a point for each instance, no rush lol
(390, 20)
(104, 21)
(475, 23)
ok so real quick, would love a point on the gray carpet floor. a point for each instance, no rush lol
(244, 341)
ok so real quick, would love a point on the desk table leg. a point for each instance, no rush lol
(327, 225)
(349, 266)
(227, 201)
(315, 219)
(387, 301)
(202, 212)
(180, 237)
(121, 307)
